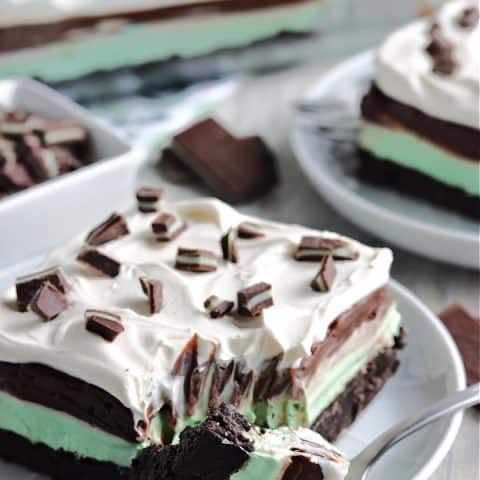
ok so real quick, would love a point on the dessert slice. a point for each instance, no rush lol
(54, 41)
(131, 356)
(227, 447)
(421, 126)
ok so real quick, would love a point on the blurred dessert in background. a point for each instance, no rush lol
(60, 40)
(421, 130)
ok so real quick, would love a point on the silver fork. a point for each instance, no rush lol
(361, 464)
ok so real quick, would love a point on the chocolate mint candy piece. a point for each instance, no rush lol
(216, 307)
(324, 279)
(114, 227)
(229, 247)
(153, 289)
(195, 260)
(7, 152)
(105, 324)
(445, 65)
(28, 285)
(67, 161)
(13, 125)
(166, 227)
(62, 133)
(149, 199)
(14, 177)
(469, 18)
(439, 46)
(236, 170)
(48, 302)
(248, 231)
(99, 262)
(465, 329)
(252, 300)
(40, 162)
(174, 170)
(313, 249)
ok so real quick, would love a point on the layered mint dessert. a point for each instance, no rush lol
(421, 125)
(55, 40)
(130, 333)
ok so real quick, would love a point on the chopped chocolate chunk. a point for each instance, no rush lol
(28, 285)
(174, 170)
(465, 329)
(248, 231)
(114, 227)
(439, 46)
(229, 247)
(301, 468)
(196, 260)
(236, 170)
(254, 299)
(61, 133)
(216, 307)
(324, 279)
(14, 177)
(313, 249)
(106, 325)
(445, 65)
(48, 302)
(149, 199)
(99, 262)
(214, 450)
(153, 289)
(469, 18)
(167, 227)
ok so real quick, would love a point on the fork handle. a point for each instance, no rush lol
(458, 401)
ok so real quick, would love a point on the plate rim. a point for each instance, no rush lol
(318, 90)
(458, 375)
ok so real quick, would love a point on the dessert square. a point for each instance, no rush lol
(53, 41)
(131, 360)
(421, 130)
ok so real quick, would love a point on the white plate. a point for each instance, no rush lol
(430, 369)
(409, 223)
(46, 215)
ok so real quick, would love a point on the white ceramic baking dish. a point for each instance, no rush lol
(37, 219)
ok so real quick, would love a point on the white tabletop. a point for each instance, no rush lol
(262, 106)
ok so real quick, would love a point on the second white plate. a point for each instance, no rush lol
(403, 221)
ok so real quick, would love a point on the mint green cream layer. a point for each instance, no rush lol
(325, 386)
(141, 43)
(60, 431)
(413, 152)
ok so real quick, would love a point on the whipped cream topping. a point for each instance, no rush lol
(21, 12)
(136, 368)
(405, 73)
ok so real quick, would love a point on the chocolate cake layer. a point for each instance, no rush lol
(344, 410)
(56, 390)
(16, 37)
(383, 172)
(57, 465)
(379, 108)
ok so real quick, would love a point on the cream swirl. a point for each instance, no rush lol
(136, 368)
(404, 68)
